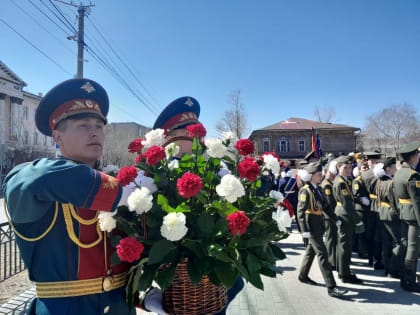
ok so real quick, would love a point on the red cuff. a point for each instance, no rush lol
(108, 192)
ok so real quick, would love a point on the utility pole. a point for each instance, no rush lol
(82, 10)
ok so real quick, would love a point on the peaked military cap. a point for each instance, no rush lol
(373, 154)
(178, 114)
(314, 167)
(75, 98)
(344, 159)
(389, 161)
(410, 148)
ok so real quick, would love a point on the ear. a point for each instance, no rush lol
(58, 137)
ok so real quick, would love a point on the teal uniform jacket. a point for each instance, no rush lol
(35, 193)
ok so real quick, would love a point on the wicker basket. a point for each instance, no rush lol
(182, 297)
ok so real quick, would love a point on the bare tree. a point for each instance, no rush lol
(324, 114)
(392, 127)
(235, 118)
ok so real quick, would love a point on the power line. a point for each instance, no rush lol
(33, 45)
(51, 20)
(43, 27)
(57, 17)
(61, 13)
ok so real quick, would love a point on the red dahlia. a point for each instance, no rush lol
(154, 154)
(189, 185)
(129, 249)
(249, 169)
(196, 130)
(135, 146)
(239, 222)
(126, 175)
(245, 146)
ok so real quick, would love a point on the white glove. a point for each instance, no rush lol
(306, 234)
(365, 201)
(338, 222)
(360, 223)
(153, 301)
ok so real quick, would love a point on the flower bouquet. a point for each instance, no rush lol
(196, 216)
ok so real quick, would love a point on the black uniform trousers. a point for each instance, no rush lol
(374, 236)
(331, 241)
(393, 251)
(410, 239)
(360, 241)
(344, 248)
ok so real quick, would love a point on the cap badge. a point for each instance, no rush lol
(189, 102)
(88, 87)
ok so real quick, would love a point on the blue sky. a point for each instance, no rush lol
(287, 57)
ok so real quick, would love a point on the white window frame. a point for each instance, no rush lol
(266, 141)
(300, 142)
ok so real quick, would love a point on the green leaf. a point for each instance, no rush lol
(268, 272)
(253, 263)
(115, 240)
(217, 252)
(183, 207)
(255, 242)
(214, 279)
(258, 184)
(256, 281)
(206, 223)
(163, 202)
(186, 161)
(242, 269)
(147, 276)
(166, 276)
(115, 260)
(226, 273)
(160, 250)
(193, 272)
(277, 252)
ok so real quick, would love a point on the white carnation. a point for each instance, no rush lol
(378, 170)
(111, 169)
(304, 175)
(278, 196)
(283, 219)
(154, 137)
(173, 227)
(106, 221)
(173, 164)
(271, 163)
(127, 190)
(145, 181)
(356, 172)
(229, 135)
(333, 167)
(140, 200)
(215, 148)
(230, 188)
(171, 150)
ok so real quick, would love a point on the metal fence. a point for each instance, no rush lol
(11, 262)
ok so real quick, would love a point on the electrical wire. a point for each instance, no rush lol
(50, 19)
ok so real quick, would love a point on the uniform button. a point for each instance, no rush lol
(106, 309)
(109, 271)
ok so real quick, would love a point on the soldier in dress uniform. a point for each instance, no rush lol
(329, 213)
(348, 219)
(54, 204)
(311, 206)
(362, 206)
(374, 228)
(407, 192)
(389, 216)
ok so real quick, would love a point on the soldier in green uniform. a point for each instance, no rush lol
(389, 216)
(407, 192)
(361, 204)
(329, 214)
(310, 215)
(374, 228)
(348, 219)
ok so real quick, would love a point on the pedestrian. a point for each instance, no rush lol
(407, 192)
(348, 219)
(311, 206)
(54, 206)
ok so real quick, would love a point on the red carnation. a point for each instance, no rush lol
(245, 146)
(189, 185)
(196, 130)
(129, 249)
(126, 175)
(135, 146)
(239, 222)
(270, 153)
(289, 207)
(249, 169)
(154, 154)
(139, 158)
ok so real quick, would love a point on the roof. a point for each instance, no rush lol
(7, 74)
(305, 124)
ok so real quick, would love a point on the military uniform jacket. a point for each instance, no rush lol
(288, 187)
(345, 200)
(407, 193)
(359, 191)
(387, 206)
(329, 210)
(37, 194)
(370, 182)
(310, 210)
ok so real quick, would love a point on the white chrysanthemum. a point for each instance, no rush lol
(145, 181)
(271, 163)
(173, 164)
(215, 148)
(356, 172)
(333, 167)
(229, 135)
(154, 137)
(171, 150)
(111, 169)
(140, 200)
(127, 190)
(378, 170)
(230, 188)
(278, 196)
(173, 227)
(283, 219)
(304, 175)
(106, 221)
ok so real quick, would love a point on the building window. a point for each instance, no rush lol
(36, 137)
(301, 145)
(25, 137)
(266, 145)
(25, 113)
(283, 146)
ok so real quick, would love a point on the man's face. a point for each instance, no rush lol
(82, 139)
(316, 178)
(364, 168)
(185, 146)
(345, 169)
(371, 162)
(390, 170)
